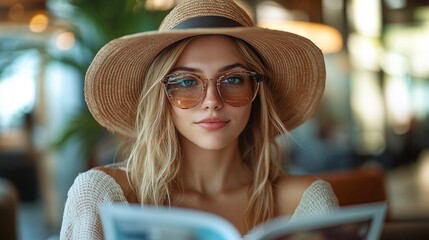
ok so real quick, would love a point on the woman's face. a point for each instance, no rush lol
(211, 124)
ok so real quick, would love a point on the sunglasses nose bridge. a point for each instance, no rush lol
(211, 91)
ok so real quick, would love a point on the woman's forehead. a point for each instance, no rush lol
(212, 51)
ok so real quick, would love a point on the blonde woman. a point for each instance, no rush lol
(201, 101)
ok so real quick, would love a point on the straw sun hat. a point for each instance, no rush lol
(114, 79)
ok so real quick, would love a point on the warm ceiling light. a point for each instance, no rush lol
(274, 16)
(327, 38)
(159, 5)
(39, 23)
(65, 41)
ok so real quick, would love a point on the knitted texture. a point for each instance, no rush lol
(81, 218)
(318, 199)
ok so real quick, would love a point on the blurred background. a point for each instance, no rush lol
(375, 110)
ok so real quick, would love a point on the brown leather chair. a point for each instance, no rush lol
(366, 185)
(357, 186)
(8, 210)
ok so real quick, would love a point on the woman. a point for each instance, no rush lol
(201, 101)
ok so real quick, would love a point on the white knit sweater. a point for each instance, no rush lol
(81, 219)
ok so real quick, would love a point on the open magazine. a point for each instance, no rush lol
(156, 223)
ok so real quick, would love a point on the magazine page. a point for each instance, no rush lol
(159, 223)
(358, 222)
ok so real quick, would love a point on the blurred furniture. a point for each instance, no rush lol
(366, 184)
(18, 167)
(8, 210)
(357, 186)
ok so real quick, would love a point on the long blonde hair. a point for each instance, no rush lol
(155, 156)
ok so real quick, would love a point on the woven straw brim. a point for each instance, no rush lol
(114, 79)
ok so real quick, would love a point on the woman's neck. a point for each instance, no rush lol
(211, 172)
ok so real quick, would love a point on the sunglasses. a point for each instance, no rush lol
(186, 90)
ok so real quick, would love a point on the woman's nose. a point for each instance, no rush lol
(212, 100)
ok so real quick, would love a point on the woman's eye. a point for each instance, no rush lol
(186, 82)
(232, 80)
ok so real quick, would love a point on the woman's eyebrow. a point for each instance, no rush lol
(185, 69)
(232, 66)
(197, 70)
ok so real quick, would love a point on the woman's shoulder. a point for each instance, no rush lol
(95, 182)
(119, 174)
(289, 190)
(81, 214)
(295, 192)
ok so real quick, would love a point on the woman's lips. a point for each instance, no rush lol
(212, 123)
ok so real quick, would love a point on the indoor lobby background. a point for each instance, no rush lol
(371, 129)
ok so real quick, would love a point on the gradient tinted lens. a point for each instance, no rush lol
(184, 90)
(238, 89)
